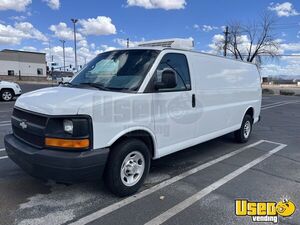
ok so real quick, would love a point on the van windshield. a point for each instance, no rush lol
(120, 70)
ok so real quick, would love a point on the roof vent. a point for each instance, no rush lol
(187, 44)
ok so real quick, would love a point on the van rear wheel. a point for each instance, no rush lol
(243, 134)
(127, 167)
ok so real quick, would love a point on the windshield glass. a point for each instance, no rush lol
(122, 70)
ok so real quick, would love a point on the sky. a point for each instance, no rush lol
(39, 25)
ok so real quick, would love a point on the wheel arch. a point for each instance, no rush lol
(142, 133)
(249, 111)
(8, 88)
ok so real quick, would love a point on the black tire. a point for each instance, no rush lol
(119, 152)
(240, 135)
(7, 95)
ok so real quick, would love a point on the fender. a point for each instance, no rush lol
(130, 129)
(251, 106)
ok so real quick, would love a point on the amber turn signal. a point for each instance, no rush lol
(67, 143)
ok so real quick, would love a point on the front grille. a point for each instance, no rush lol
(30, 117)
(29, 138)
(34, 132)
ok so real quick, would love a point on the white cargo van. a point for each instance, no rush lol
(129, 106)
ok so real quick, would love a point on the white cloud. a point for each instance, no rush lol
(18, 18)
(286, 65)
(215, 43)
(196, 26)
(29, 48)
(13, 35)
(205, 28)
(62, 31)
(208, 28)
(101, 25)
(293, 47)
(158, 4)
(53, 4)
(285, 9)
(289, 66)
(84, 54)
(17, 5)
(108, 48)
(93, 46)
(31, 32)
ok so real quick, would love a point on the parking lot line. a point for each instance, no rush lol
(5, 111)
(104, 211)
(199, 195)
(4, 157)
(269, 106)
(2, 149)
(274, 103)
(6, 121)
(5, 124)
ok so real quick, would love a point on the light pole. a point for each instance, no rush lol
(64, 56)
(74, 21)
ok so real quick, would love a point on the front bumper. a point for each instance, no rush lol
(61, 166)
(18, 92)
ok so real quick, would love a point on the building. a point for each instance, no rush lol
(22, 63)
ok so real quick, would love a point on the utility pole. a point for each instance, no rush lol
(74, 21)
(226, 33)
(64, 56)
(127, 42)
(50, 57)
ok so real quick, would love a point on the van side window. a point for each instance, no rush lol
(178, 63)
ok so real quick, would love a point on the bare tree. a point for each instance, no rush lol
(250, 42)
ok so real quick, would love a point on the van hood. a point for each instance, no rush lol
(60, 100)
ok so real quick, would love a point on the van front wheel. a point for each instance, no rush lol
(127, 167)
(242, 135)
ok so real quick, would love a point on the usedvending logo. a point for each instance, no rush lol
(264, 211)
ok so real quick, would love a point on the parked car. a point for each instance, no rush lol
(62, 80)
(8, 90)
(62, 76)
(129, 106)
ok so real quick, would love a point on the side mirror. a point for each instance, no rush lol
(168, 80)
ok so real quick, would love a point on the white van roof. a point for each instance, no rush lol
(177, 43)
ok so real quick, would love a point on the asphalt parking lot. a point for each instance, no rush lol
(196, 186)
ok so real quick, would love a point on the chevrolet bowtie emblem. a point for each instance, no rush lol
(23, 124)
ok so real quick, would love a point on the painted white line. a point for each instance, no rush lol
(199, 195)
(273, 103)
(2, 149)
(3, 157)
(278, 103)
(5, 111)
(6, 121)
(273, 106)
(102, 212)
(4, 125)
(270, 107)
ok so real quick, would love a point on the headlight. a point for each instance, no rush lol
(68, 126)
(72, 132)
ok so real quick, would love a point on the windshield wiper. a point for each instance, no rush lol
(95, 85)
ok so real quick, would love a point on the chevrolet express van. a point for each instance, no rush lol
(128, 107)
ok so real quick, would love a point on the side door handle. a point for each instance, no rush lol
(193, 100)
